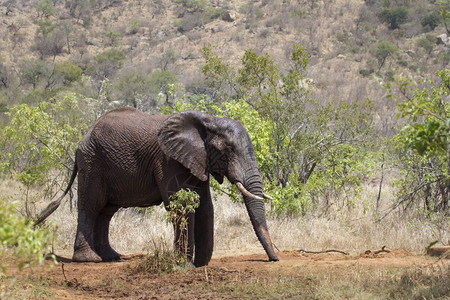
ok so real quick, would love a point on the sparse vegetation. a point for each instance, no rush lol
(306, 79)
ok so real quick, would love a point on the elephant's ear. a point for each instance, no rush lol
(182, 137)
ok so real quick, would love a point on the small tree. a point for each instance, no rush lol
(34, 72)
(163, 82)
(430, 21)
(182, 204)
(68, 71)
(21, 246)
(38, 144)
(383, 51)
(424, 145)
(112, 36)
(301, 137)
(394, 17)
(133, 88)
(44, 8)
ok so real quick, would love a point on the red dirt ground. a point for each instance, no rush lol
(120, 280)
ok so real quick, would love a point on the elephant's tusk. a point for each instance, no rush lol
(246, 193)
(267, 197)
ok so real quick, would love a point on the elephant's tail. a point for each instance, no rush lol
(55, 204)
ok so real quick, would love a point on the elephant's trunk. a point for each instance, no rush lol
(256, 211)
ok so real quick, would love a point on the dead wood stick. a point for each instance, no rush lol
(323, 251)
(383, 249)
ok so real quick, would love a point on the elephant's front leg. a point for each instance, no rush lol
(184, 235)
(204, 228)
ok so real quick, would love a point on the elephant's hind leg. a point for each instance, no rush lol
(84, 241)
(101, 234)
(91, 200)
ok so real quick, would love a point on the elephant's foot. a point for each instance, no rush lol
(85, 255)
(108, 254)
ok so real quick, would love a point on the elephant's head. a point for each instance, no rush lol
(220, 147)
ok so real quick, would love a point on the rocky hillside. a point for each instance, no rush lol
(343, 39)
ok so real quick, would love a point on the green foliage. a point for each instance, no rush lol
(68, 71)
(163, 82)
(182, 203)
(111, 55)
(430, 21)
(131, 88)
(113, 36)
(19, 239)
(423, 144)
(133, 26)
(300, 146)
(444, 12)
(365, 72)
(394, 17)
(427, 43)
(106, 63)
(383, 51)
(44, 8)
(198, 13)
(33, 72)
(427, 116)
(45, 27)
(39, 141)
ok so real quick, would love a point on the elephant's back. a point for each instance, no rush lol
(126, 117)
(126, 121)
(122, 135)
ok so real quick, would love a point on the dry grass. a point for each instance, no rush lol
(351, 230)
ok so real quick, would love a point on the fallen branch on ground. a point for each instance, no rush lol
(383, 249)
(320, 252)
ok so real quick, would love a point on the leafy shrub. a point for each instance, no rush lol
(423, 144)
(111, 55)
(182, 203)
(298, 143)
(39, 141)
(133, 26)
(112, 36)
(394, 17)
(384, 50)
(402, 63)
(19, 238)
(427, 43)
(430, 22)
(68, 71)
(365, 72)
(106, 63)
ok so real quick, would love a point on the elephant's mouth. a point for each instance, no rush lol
(246, 193)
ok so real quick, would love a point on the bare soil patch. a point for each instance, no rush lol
(296, 275)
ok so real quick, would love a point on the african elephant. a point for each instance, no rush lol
(129, 158)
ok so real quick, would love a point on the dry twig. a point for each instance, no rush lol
(323, 251)
(383, 249)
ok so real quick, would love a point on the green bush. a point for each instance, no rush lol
(430, 22)
(394, 17)
(299, 144)
(182, 203)
(68, 71)
(365, 72)
(427, 43)
(111, 55)
(423, 143)
(383, 51)
(20, 239)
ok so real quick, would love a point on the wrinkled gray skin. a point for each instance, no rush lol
(129, 158)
